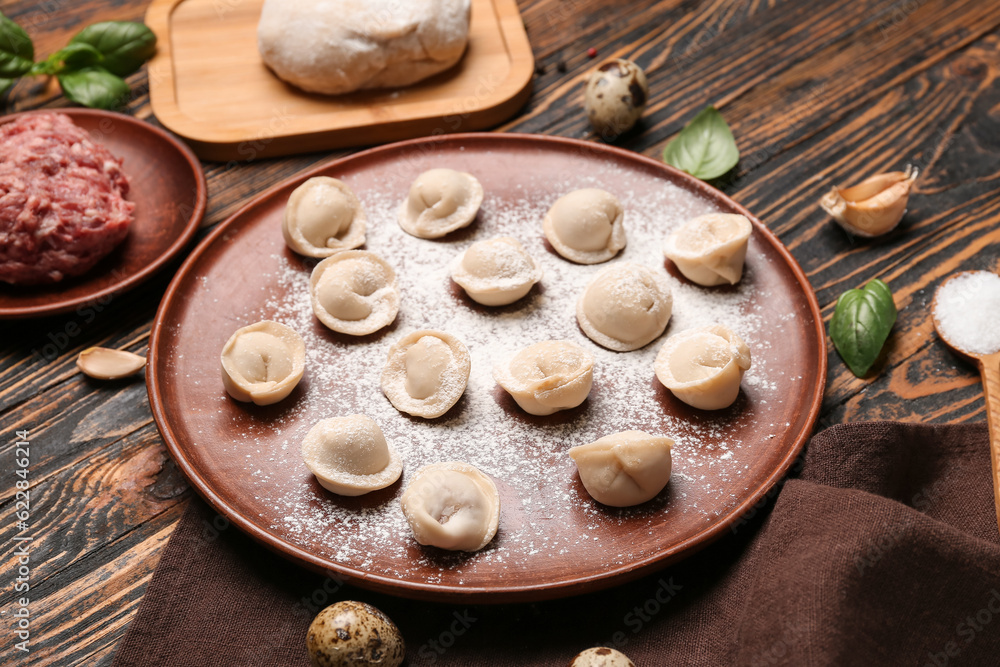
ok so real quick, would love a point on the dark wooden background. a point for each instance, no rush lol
(817, 93)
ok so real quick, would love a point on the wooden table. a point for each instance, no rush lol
(816, 94)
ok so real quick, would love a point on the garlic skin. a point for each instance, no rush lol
(874, 206)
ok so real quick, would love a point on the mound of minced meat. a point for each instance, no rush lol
(62, 200)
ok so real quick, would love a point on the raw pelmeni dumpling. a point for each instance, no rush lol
(585, 226)
(710, 249)
(625, 307)
(354, 292)
(548, 376)
(263, 362)
(440, 201)
(452, 506)
(323, 216)
(624, 469)
(426, 373)
(349, 455)
(703, 367)
(496, 272)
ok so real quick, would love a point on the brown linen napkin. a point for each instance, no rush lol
(883, 551)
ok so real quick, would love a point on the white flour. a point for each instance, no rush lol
(545, 513)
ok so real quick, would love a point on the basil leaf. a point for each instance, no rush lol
(125, 45)
(861, 324)
(77, 55)
(705, 148)
(5, 85)
(94, 87)
(17, 53)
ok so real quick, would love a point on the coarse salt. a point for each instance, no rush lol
(967, 312)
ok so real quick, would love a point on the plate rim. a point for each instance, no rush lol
(119, 287)
(481, 594)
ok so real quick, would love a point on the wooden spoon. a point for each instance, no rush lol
(988, 362)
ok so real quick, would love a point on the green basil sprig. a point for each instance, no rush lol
(93, 87)
(861, 324)
(90, 69)
(705, 148)
(17, 53)
(124, 45)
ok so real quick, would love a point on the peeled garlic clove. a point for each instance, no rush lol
(103, 363)
(874, 206)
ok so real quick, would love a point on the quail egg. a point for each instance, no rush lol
(354, 634)
(601, 657)
(616, 97)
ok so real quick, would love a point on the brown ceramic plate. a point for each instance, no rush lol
(168, 188)
(553, 539)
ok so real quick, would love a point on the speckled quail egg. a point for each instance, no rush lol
(616, 97)
(601, 657)
(353, 634)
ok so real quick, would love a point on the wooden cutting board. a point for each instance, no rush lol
(209, 85)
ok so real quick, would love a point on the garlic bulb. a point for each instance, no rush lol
(874, 206)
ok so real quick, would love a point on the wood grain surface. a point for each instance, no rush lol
(816, 94)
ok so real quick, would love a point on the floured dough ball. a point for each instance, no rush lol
(710, 249)
(548, 376)
(585, 226)
(440, 201)
(354, 292)
(349, 455)
(263, 362)
(624, 469)
(338, 46)
(426, 373)
(703, 367)
(496, 272)
(452, 506)
(323, 216)
(626, 306)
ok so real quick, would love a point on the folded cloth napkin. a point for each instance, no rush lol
(882, 549)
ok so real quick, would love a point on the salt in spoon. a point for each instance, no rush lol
(966, 314)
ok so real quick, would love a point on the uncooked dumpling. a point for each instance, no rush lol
(349, 455)
(703, 367)
(354, 292)
(625, 307)
(548, 376)
(624, 469)
(710, 249)
(440, 201)
(585, 226)
(426, 373)
(496, 272)
(338, 46)
(323, 216)
(263, 362)
(452, 506)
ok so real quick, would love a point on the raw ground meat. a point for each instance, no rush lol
(62, 200)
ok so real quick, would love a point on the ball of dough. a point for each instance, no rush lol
(338, 46)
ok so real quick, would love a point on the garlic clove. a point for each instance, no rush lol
(874, 206)
(103, 363)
